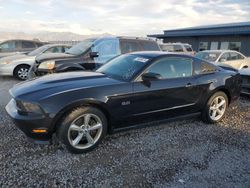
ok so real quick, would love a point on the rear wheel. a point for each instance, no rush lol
(21, 72)
(83, 129)
(215, 108)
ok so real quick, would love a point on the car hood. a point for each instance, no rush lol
(50, 56)
(13, 58)
(48, 85)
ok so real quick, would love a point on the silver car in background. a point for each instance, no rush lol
(180, 48)
(18, 65)
(229, 58)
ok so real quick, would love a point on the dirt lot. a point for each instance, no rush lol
(185, 153)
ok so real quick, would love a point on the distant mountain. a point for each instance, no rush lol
(47, 36)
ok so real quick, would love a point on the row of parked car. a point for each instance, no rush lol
(92, 53)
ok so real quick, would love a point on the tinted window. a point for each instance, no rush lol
(27, 44)
(124, 67)
(129, 46)
(204, 68)
(107, 49)
(56, 49)
(172, 67)
(178, 48)
(11, 45)
(149, 46)
(235, 56)
(39, 44)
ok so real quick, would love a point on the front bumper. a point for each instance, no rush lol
(6, 69)
(245, 88)
(27, 123)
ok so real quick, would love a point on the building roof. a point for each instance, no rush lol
(241, 28)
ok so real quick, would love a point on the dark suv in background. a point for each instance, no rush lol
(11, 47)
(91, 54)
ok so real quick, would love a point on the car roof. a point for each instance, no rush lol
(155, 54)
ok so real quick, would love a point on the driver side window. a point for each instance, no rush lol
(172, 67)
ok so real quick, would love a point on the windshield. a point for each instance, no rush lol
(208, 56)
(81, 47)
(38, 50)
(124, 67)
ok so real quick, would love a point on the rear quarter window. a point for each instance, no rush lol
(202, 67)
(128, 46)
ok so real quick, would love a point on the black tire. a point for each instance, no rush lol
(21, 72)
(63, 129)
(206, 117)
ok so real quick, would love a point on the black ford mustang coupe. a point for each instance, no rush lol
(132, 89)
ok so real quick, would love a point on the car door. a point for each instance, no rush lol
(175, 90)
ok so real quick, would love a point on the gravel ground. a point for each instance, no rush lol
(185, 153)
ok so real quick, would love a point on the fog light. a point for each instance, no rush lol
(39, 130)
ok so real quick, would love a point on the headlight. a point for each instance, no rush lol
(47, 65)
(28, 107)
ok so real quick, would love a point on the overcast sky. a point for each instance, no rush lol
(120, 17)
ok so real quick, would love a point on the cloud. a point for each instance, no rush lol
(121, 17)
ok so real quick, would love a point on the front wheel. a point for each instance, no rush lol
(215, 108)
(82, 129)
(21, 72)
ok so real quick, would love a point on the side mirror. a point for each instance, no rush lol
(93, 54)
(245, 67)
(150, 76)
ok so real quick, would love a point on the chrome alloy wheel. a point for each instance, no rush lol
(23, 73)
(85, 131)
(217, 108)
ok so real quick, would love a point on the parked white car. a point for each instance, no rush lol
(177, 48)
(18, 65)
(228, 58)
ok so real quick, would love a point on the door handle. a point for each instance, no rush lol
(189, 85)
